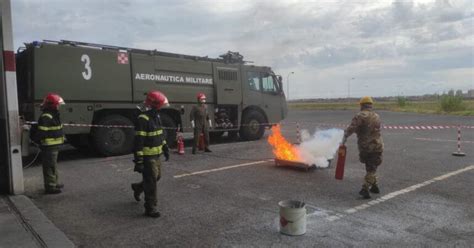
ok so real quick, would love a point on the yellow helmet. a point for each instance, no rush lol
(366, 99)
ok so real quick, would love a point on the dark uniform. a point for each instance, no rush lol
(366, 124)
(150, 143)
(50, 136)
(200, 116)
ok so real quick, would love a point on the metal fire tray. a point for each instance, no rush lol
(294, 164)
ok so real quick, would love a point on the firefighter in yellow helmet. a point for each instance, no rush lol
(149, 145)
(50, 136)
(366, 124)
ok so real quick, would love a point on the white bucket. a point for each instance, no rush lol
(292, 217)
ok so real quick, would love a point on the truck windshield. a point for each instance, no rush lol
(269, 83)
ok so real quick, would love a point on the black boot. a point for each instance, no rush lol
(136, 192)
(364, 193)
(153, 214)
(194, 150)
(207, 150)
(59, 185)
(375, 189)
(53, 191)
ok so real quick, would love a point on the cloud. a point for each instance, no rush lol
(378, 42)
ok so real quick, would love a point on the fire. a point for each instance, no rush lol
(282, 149)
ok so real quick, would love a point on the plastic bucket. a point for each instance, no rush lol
(292, 217)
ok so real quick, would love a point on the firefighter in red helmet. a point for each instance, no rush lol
(150, 144)
(50, 136)
(200, 121)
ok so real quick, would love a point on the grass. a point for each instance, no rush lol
(428, 107)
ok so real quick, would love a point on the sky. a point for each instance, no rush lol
(334, 48)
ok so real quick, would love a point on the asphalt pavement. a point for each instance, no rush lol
(229, 198)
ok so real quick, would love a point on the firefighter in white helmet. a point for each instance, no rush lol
(200, 121)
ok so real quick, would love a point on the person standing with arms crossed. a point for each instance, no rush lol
(366, 124)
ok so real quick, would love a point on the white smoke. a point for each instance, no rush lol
(320, 147)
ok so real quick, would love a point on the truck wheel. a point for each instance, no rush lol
(169, 128)
(115, 140)
(252, 126)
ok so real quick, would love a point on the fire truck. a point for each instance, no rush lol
(102, 86)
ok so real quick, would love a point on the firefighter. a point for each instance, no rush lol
(366, 124)
(200, 121)
(50, 136)
(149, 144)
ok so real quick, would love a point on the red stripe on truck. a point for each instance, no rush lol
(9, 60)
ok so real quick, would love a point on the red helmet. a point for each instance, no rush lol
(201, 96)
(156, 99)
(52, 101)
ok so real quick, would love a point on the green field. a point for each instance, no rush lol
(429, 107)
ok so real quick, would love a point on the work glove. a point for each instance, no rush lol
(166, 152)
(139, 166)
(210, 123)
(192, 124)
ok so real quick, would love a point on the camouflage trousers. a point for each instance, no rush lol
(372, 160)
(49, 158)
(151, 175)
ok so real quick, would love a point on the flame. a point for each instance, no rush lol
(282, 149)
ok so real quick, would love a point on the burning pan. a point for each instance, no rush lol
(296, 164)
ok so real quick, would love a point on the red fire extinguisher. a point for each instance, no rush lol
(201, 144)
(179, 137)
(341, 161)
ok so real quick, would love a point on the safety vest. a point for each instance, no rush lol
(149, 137)
(51, 130)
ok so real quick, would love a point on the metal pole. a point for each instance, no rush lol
(288, 84)
(459, 153)
(349, 88)
(9, 115)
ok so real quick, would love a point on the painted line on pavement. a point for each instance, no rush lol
(397, 193)
(444, 140)
(222, 168)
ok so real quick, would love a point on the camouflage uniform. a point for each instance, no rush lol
(366, 124)
(200, 116)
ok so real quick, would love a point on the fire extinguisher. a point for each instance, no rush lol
(341, 161)
(201, 144)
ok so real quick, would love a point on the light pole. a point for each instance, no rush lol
(288, 84)
(349, 87)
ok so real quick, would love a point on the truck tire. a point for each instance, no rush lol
(113, 141)
(252, 126)
(169, 128)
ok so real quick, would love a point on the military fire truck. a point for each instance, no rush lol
(102, 86)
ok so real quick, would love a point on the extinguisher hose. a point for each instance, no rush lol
(34, 159)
